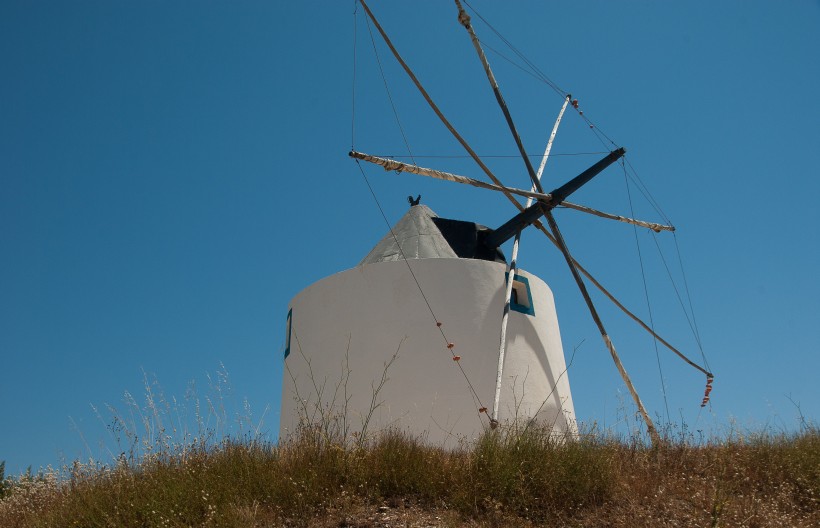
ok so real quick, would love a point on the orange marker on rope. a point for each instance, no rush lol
(707, 391)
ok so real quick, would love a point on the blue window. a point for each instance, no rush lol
(287, 332)
(521, 298)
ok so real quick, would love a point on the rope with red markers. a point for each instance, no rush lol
(707, 391)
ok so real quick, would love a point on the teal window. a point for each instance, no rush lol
(287, 332)
(521, 298)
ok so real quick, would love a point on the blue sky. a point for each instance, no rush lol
(172, 174)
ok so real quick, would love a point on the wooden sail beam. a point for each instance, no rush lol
(649, 225)
(393, 165)
(650, 426)
(548, 149)
(464, 19)
(511, 271)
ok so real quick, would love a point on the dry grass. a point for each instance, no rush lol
(505, 479)
(171, 474)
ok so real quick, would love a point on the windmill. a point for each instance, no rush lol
(539, 205)
(364, 346)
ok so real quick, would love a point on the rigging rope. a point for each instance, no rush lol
(353, 88)
(387, 89)
(439, 325)
(689, 298)
(449, 344)
(541, 75)
(709, 376)
(512, 62)
(675, 287)
(646, 292)
(538, 74)
(645, 191)
(605, 140)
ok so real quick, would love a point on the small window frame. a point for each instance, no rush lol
(288, 326)
(521, 286)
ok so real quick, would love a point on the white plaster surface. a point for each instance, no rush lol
(347, 327)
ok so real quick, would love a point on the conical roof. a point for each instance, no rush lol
(418, 236)
(422, 234)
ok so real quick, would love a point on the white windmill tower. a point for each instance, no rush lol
(368, 343)
(351, 331)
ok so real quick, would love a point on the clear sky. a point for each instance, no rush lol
(173, 173)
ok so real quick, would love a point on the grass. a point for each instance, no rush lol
(505, 478)
(171, 474)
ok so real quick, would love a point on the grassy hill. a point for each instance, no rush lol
(520, 477)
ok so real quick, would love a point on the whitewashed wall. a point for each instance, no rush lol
(349, 325)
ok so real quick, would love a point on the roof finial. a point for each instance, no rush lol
(413, 202)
